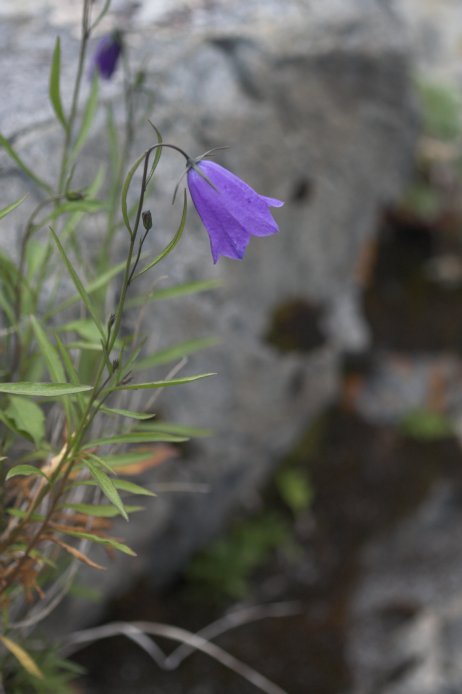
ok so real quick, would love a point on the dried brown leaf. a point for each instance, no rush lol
(78, 555)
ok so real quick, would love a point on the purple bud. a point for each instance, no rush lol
(107, 55)
(230, 210)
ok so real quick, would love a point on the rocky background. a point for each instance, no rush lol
(318, 101)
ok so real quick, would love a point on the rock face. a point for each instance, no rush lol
(407, 619)
(316, 101)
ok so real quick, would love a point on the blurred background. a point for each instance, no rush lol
(321, 523)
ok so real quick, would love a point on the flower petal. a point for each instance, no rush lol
(272, 202)
(246, 206)
(227, 235)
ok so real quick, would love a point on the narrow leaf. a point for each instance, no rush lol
(9, 208)
(17, 159)
(24, 470)
(47, 390)
(22, 656)
(132, 488)
(125, 187)
(175, 353)
(139, 437)
(19, 513)
(117, 460)
(107, 487)
(100, 510)
(85, 328)
(71, 370)
(134, 463)
(175, 291)
(113, 140)
(78, 284)
(126, 413)
(54, 87)
(73, 207)
(87, 118)
(53, 362)
(125, 486)
(100, 540)
(78, 555)
(178, 429)
(164, 384)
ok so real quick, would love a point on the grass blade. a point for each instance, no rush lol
(54, 86)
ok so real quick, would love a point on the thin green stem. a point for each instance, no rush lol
(86, 29)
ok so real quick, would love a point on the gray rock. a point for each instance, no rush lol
(406, 632)
(316, 101)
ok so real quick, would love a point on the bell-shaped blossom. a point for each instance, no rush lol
(106, 55)
(230, 210)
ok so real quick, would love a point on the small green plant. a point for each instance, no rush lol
(426, 425)
(69, 361)
(224, 569)
(440, 156)
(441, 111)
(294, 488)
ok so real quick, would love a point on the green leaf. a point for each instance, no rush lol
(175, 291)
(47, 390)
(27, 417)
(50, 354)
(175, 353)
(78, 285)
(88, 346)
(24, 470)
(107, 486)
(19, 513)
(163, 384)
(36, 253)
(125, 187)
(102, 541)
(125, 486)
(176, 429)
(22, 656)
(54, 88)
(126, 413)
(132, 488)
(71, 371)
(9, 208)
(85, 328)
(137, 437)
(157, 154)
(116, 460)
(87, 118)
(100, 510)
(113, 139)
(170, 246)
(17, 159)
(87, 205)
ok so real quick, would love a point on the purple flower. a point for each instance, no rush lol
(107, 55)
(230, 210)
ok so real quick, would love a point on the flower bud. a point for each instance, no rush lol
(107, 55)
(147, 219)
